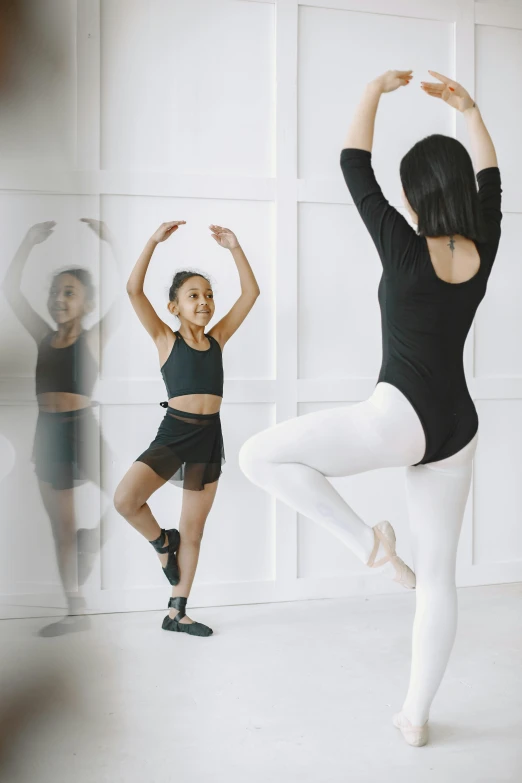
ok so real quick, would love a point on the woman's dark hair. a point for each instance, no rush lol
(84, 276)
(179, 278)
(439, 182)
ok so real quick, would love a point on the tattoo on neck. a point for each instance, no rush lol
(451, 244)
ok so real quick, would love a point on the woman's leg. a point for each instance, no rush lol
(437, 496)
(194, 512)
(293, 459)
(130, 500)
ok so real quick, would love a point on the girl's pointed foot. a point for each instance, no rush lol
(171, 569)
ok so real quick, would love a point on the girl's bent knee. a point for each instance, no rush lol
(124, 503)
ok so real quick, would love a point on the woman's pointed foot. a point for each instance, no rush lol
(417, 736)
(384, 543)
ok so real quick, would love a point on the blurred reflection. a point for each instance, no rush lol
(67, 440)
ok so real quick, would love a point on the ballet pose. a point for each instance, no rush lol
(420, 414)
(188, 449)
(67, 438)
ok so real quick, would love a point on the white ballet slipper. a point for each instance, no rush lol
(385, 534)
(417, 736)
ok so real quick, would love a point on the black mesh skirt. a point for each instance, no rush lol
(66, 448)
(188, 450)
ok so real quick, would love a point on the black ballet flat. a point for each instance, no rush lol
(75, 620)
(194, 629)
(171, 570)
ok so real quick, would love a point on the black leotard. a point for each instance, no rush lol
(425, 320)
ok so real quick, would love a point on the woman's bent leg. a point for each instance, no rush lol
(293, 459)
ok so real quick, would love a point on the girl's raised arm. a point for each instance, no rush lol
(157, 328)
(37, 327)
(231, 322)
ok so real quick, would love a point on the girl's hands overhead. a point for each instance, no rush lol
(166, 230)
(98, 226)
(224, 237)
(40, 232)
(451, 92)
(392, 80)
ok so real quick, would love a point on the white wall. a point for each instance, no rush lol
(234, 112)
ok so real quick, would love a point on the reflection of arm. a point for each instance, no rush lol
(108, 323)
(37, 327)
(483, 150)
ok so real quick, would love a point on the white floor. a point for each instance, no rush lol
(288, 692)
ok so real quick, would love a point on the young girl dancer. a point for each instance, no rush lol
(188, 449)
(67, 438)
(420, 415)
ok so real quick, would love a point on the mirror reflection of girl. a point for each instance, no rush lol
(188, 449)
(67, 438)
(420, 415)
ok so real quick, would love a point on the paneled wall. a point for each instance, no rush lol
(234, 112)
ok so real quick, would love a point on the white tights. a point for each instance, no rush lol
(291, 461)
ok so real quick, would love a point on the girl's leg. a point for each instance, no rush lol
(292, 459)
(130, 500)
(437, 496)
(59, 505)
(194, 512)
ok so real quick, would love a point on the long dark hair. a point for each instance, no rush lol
(439, 182)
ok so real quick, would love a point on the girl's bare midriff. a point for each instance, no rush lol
(61, 402)
(196, 403)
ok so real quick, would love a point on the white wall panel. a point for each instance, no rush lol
(198, 93)
(497, 324)
(497, 533)
(339, 51)
(339, 271)
(499, 65)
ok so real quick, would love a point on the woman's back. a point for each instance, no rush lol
(456, 260)
(426, 318)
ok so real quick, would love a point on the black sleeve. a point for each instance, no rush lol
(489, 193)
(390, 231)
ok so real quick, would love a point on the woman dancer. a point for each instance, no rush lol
(420, 414)
(188, 449)
(67, 438)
